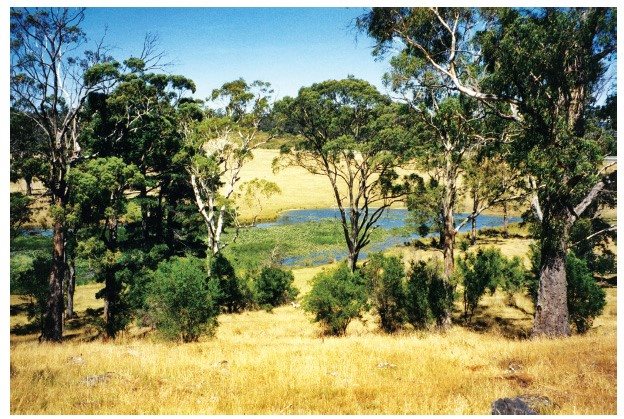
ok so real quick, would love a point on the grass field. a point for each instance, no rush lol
(278, 363)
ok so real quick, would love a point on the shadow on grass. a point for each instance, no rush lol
(87, 325)
(20, 308)
(484, 322)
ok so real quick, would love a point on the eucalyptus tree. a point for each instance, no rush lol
(50, 85)
(217, 149)
(96, 204)
(349, 133)
(140, 120)
(544, 69)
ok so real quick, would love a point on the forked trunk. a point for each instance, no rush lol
(53, 316)
(551, 311)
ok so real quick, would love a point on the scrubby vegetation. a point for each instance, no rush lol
(142, 282)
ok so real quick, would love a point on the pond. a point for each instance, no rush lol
(393, 218)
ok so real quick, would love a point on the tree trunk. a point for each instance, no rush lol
(551, 311)
(111, 291)
(28, 182)
(53, 317)
(505, 221)
(448, 247)
(473, 219)
(144, 214)
(71, 287)
(353, 258)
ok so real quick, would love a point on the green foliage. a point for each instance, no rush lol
(30, 273)
(274, 287)
(20, 211)
(428, 296)
(336, 298)
(488, 269)
(183, 300)
(586, 299)
(233, 293)
(384, 279)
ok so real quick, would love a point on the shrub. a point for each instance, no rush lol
(29, 276)
(336, 298)
(586, 299)
(274, 287)
(183, 300)
(20, 211)
(428, 296)
(233, 295)
(384, 279)
(487, 270)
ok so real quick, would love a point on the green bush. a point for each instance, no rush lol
(336, 298)
(183, 299)
(233, 293)
(20, 211)
(30, 273)
(274, 287)
(384, 279)
(428, 296)
(586, 299)
(487, 270)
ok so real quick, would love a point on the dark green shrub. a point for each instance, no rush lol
(428, 296)
(487, 270)
(233, 295)
(586, 299)
(479, 271)
(183, 300)
(384, 279)
(20, 211)
(30, 272)
(336, 298)
(274, 287)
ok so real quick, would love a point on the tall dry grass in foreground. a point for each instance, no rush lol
(277, 363)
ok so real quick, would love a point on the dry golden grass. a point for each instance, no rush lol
(278, 363)
(300, 189)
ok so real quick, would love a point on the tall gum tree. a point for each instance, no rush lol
(218, 147)
(348, 132)
(544, 69)
(50, 85)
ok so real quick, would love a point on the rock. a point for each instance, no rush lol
(386, 365)
(515, 406)
(537, 402)
(77, 360)
(92, 380)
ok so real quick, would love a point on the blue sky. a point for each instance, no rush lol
(288, 47)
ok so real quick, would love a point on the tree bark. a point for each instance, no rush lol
(551, 311)
(448, 248)
(505, 220)
(353, 258)
(53, 317)
(71, 287)
(28, 186)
